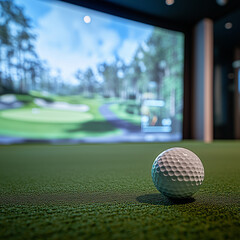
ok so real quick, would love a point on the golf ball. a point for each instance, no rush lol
(177, 173)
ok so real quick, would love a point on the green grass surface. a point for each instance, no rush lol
(106, 192)
(46, 115)
(30, 121)
(49, 130)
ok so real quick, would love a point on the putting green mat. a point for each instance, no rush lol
(105, 192)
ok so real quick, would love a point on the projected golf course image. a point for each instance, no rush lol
(39, 119)
(104, 79)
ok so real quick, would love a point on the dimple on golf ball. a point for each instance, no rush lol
(177, 173)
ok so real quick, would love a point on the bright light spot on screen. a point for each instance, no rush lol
(170, 2)
(228, 25)
(87, 19)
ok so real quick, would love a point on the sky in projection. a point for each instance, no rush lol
(68, 43)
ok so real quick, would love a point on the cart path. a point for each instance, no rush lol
(112, 118)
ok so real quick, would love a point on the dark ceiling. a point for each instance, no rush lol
(182, 15)
(182, 11)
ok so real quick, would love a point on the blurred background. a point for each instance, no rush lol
(119, 71)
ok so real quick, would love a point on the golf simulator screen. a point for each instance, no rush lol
(69, 73)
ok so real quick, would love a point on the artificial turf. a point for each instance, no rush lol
(105, 192)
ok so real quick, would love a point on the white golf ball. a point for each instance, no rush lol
(177, 173)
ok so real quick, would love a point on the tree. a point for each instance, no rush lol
(112, 75)
(5, 43)
(17, 52)
(79, 75)
(164, 61)
(106, 71)
(90, 79)
(154, 59)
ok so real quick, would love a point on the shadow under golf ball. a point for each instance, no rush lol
(159, 199)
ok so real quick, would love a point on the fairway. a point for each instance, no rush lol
(45, 115)
(105, 192)
(55, 120)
